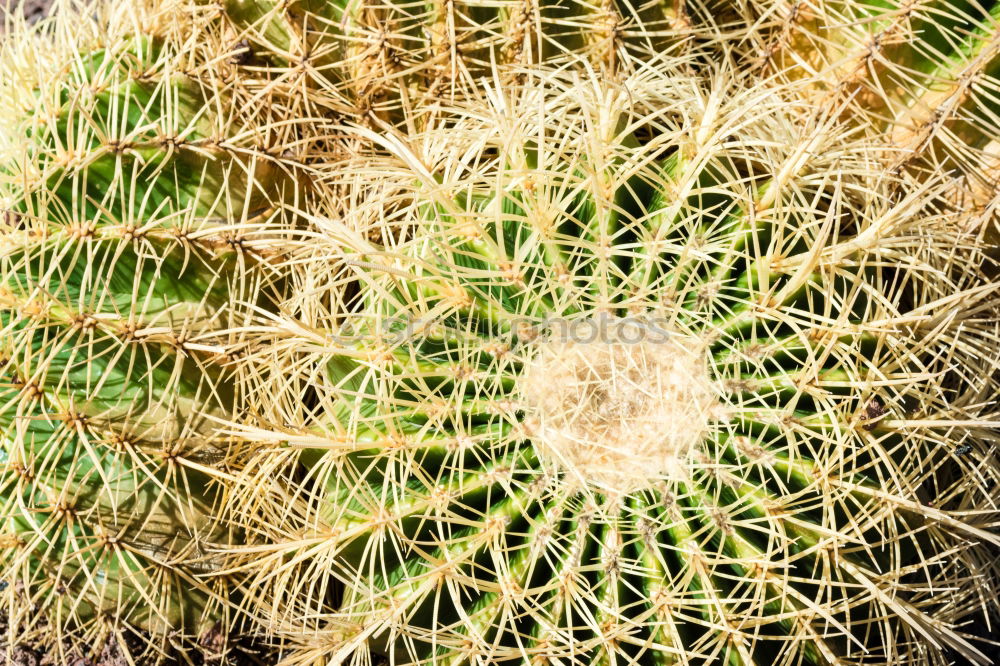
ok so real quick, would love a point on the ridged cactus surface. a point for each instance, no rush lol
(123, 197)
(385, 61)
(923, 75)
(658, 372)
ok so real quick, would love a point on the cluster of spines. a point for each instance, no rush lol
(382, 63)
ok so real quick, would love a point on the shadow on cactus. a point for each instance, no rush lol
(755, 462)
(121, 198)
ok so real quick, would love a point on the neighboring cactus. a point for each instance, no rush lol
(369, 59)
(125, 250)
(780, 460)
(913, 66)
(924, 74)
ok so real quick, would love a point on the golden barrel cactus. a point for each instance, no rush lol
(663, 369)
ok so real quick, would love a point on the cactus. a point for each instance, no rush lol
(383, 61)
(923, 75)
(658, 369)
(125, 249)
(914, 66)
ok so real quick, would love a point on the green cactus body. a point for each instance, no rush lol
(118, 267)
(736, 471)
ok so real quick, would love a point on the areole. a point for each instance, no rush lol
(617, 407)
